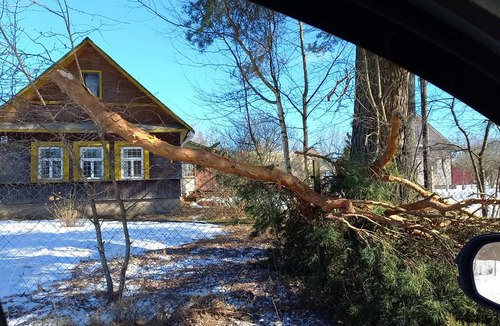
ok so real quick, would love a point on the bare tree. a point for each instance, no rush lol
(477, 154)
(10, 34)
(406, 216)
(272, 62)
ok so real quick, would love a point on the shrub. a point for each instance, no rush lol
(66, 209)
(265, 204)
(376, 280)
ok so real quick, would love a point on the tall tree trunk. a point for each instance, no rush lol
(304, 113)
(381, 88)
(102, 252)
(90, 193)
(425, 135)
(126, 234)
(405, 162)
(284, 134)
(366, 120)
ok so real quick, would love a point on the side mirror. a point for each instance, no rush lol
(479, 270)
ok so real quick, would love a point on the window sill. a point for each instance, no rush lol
(42, 181)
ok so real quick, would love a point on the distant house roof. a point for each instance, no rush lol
(436, 140)
(70, 57)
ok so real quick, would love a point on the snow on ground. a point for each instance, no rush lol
(470, 191)
(487, 279)
(34, 254)
(463, 192)
(215, 280)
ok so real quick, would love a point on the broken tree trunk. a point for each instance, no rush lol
(412, 216)
(113, 122)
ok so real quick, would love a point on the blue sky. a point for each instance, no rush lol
(159, 60)
(156, 55)
(149, 49)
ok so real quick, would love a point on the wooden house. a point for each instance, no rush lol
(50, 148)
(440, 152)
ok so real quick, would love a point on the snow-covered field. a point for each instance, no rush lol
(470, 191)
(36, 254)
(487, 279)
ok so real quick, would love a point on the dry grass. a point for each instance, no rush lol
(66, 210)
(207, 310)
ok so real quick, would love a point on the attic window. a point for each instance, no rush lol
(92, 80)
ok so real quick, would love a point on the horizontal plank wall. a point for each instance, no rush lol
(117, 92)
(35, 200)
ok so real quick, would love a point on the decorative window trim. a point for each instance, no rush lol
(77, 146)
(99, 72)
(35, 161)
(119, 145)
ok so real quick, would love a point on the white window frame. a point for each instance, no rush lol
(93, 162)
(50, 160)
(188, 170)
(124, 159)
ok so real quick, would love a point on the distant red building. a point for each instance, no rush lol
(460, 176)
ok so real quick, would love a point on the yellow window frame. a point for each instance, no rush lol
(118, 160)
(77, 164)
(35, 146)
(99, 72)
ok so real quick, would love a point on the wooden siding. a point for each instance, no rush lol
(161, 168)
(15, 162)
(15, 156)
(17, 194)
(117, 91)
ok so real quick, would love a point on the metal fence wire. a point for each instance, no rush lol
(70, 203)
(68, 207)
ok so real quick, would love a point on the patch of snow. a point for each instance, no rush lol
(461, 193)
(34, 254)
(487, 279)
(196, 205)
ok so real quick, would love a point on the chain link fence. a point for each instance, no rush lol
(86, 220)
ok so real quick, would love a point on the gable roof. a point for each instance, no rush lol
(69, 58)
(436, 139)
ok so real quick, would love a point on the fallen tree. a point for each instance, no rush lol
(423, 217)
